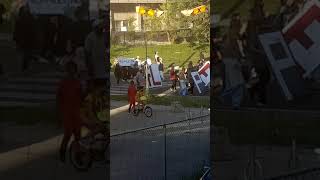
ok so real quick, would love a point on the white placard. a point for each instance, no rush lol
(283, 66)
(302, 36)
(197, 81)
(154, 78)
(204, 73)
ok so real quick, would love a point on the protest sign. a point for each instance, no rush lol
(204, 73)
(198, 82)
(302, 37)
(155, 78)
(284, 68)
(50, 7)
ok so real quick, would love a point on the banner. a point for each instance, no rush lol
(302, 37)
(49, 7)
(284, 68)
(126, 62)
(198, 82)
(154, 78)
(204, 73)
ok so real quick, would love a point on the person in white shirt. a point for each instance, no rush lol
(138, 61)
(234, 82)
(149, 61)
(156, 57)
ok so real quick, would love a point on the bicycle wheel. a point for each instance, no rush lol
(148, 111)
(81, 160)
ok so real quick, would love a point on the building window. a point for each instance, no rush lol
(117, 25)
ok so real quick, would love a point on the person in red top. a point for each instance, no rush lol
(69, 103)
(132, 92)
(173, 78)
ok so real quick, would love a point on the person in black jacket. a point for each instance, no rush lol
(24, 35)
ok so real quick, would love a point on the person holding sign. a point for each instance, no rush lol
(234, 81)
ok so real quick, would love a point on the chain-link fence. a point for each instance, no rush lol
(136, 38)
(177, 150)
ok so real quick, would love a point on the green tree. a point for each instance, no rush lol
(173, 21)
(131, 27)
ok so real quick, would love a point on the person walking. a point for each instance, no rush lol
(23, 35)
(190, 69)
(161, 69)
(117, 72)
(182, 80)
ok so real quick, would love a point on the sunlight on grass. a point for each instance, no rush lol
(180, 54)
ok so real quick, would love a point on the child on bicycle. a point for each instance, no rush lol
(132, 92)
(93, 112)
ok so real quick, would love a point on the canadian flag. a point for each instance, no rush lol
(303, 38)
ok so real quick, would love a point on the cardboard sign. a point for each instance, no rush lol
(204, 73)
(154, 78)
(302, 36)
(49, 7)
(284, 68)
(198, 82)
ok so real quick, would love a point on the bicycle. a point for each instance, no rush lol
(140, 106)
(91, 148)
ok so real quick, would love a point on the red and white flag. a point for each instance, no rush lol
(303, 38)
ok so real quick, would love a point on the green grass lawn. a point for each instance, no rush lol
(186, 101)
(180, 54)
(220, 6)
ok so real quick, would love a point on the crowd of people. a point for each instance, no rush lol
(183, 76)
(241, 74)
